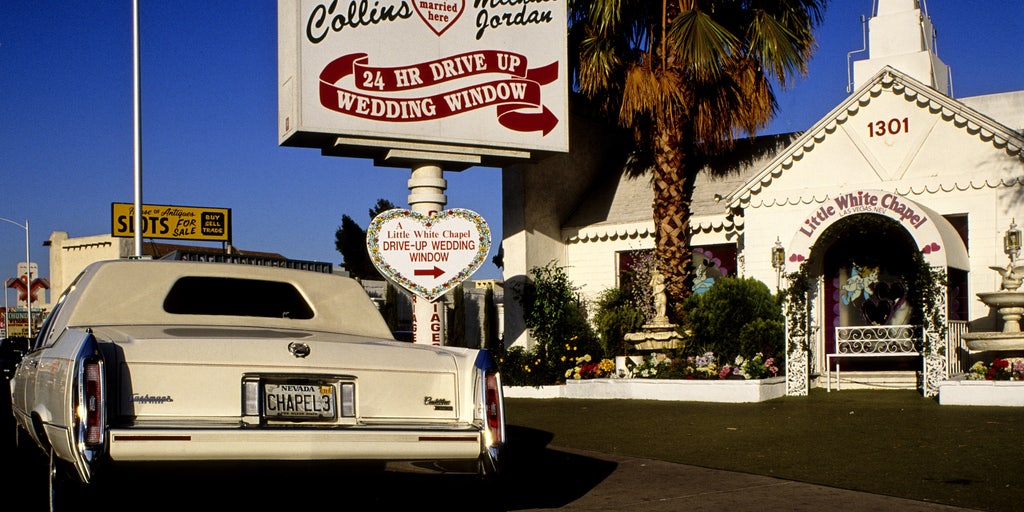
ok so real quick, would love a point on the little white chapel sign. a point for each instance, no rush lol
(428, 254)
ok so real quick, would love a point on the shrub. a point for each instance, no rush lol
(736, 316)
(521, 367)
(616, 317)
(556, 317)
(763, 336)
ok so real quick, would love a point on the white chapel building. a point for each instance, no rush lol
(898, 167)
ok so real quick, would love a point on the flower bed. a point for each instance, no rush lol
(1011, 368)
(684, 390)
(999, 383)
(657, 376)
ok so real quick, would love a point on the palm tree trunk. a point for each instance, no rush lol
(673, 192)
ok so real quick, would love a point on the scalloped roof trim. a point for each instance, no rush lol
(606, 232)
(906, 190)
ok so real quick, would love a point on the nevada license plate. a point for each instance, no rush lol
(299, 401)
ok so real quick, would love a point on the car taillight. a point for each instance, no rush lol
(92, 403)
(493, 412)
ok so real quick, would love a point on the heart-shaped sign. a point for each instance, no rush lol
(428, 254)
(877, 311)
(440, 15)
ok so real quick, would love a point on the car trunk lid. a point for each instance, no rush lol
(197, 372)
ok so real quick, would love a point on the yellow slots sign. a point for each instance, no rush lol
(177, 222)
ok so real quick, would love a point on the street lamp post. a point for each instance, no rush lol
(28, 275)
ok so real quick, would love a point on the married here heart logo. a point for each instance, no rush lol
(440, 15)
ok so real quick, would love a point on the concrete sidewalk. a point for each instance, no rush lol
(631, 483)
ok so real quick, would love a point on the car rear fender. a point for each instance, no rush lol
(79, 436)
(490, 413)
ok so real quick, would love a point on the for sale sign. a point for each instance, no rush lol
(428, 254)
(466, 75)
(174, 222)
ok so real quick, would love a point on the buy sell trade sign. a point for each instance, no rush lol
(428, 254)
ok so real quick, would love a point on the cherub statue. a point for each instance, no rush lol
(660, 299)
(1012, 275)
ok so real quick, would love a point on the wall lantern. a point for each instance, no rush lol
(778, 261)
(779, 254)
(1012, 241)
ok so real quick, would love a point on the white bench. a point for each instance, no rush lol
(874, 341)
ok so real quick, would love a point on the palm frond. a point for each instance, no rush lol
(700, 44)
(653, 93)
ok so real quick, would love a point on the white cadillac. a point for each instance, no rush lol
(143, 361)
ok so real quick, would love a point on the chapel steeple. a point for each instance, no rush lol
(901, 35)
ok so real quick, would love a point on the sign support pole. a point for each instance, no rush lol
(426, 196)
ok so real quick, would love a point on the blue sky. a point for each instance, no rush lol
(209, 119)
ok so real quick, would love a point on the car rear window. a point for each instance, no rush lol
(200, 295)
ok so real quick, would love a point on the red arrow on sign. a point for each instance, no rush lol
(436, 272)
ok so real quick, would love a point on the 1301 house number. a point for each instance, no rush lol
(891, 127)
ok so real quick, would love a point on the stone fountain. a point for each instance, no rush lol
(660, 333)
(1009, 304)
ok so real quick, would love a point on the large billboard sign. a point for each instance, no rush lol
(173, 222)
(460, 75)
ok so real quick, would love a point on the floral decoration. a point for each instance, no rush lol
(1011, 368)
(587, 368)
(705, 366)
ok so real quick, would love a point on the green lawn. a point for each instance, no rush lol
(894, 443)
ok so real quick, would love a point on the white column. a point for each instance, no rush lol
(426, 196)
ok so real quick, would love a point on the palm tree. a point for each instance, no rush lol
(687, 78)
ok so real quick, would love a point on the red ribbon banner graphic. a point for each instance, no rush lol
(509, 95)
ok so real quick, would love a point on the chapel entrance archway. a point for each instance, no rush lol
(868, 268)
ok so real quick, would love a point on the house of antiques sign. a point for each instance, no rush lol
(172, 222)
(455, 74)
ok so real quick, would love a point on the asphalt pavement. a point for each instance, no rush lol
(538, 477)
